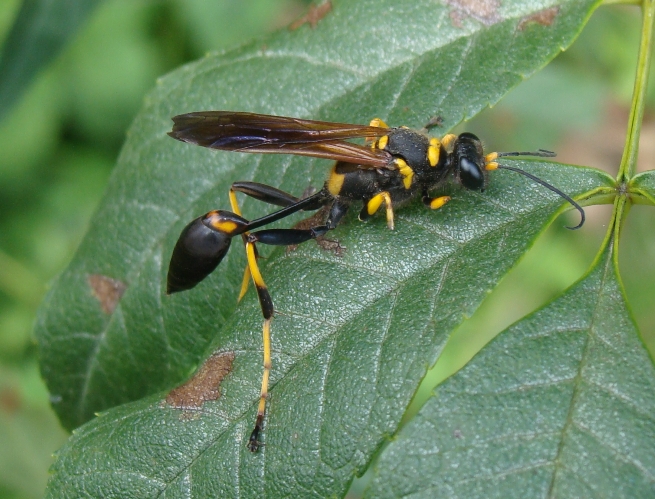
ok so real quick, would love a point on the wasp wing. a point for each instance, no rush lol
(261, 133)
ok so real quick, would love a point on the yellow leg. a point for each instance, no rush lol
(267, 309)
(234, 203)
(374, 204)
(436, 203)
(253, 441)
(244, 283)
(246, 273)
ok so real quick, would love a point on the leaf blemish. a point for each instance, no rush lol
(323, 242)
(544, 17)
(108, 291)
(204, 385)
(313, 16)
(484, 11)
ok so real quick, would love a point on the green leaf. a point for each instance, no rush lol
(41, 29)
(642, 187)
(93, 360)
(354, 334)
(351, 341)
(560, 404)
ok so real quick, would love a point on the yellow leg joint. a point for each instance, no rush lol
(376, 201)
(437, 203)
(448, 139)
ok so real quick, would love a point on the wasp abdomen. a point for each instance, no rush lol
(200, 248)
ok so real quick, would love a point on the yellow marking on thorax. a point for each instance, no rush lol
(406, 172)
(382, 142)
(433, 151)
(335, 182)
(377, 122)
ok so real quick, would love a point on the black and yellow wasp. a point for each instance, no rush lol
(398, 165)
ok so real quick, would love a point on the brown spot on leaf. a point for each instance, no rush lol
(108, 291)
(313, 16)
(325, 243)
(544, 17)
(484, 11)
(204, 385)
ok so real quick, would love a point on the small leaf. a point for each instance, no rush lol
(642, 186)
(559, 405)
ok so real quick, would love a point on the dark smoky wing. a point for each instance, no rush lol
(340, 151)
(236, 131)
(260, 133)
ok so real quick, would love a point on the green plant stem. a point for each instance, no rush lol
(622, 2)
(629, 159)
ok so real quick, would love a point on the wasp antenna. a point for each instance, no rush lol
(552, 188)
(541, 153)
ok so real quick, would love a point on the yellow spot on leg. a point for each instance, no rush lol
(437, 203)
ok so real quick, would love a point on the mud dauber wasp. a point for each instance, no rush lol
(398, 165)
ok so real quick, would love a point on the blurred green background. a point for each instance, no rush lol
(59, 141)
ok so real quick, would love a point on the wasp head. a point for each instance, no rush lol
(469, 162)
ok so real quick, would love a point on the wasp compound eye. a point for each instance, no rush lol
(471, 175)
(200, 248)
